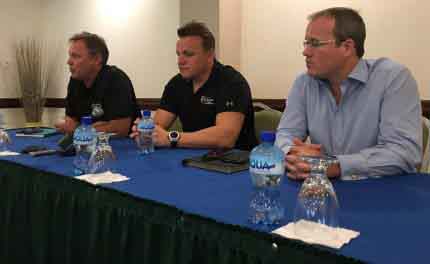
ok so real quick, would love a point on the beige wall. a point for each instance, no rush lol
(206, 11)
(262, 38)
(140, 34)
(141, 37)
(273, 32)
(223, 17)
(18, 19)
(230, 32)
(14, 117)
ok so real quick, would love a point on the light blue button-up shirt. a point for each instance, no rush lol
(376, 128)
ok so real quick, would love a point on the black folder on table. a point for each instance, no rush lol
(226, 162)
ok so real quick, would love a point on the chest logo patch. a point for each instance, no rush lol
(229, 104)
(207, 100)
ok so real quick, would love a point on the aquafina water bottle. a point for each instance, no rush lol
(267, 170)
(145, 128)
(84, 141)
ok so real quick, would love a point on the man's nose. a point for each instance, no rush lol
(306, 51)
(181, 60)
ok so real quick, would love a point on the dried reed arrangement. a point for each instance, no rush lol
(35, 68)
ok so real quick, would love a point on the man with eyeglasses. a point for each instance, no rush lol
(366, 113)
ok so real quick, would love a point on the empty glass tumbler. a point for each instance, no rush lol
(317, 201)
(102, 159)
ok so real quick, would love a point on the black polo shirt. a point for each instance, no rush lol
(112, 89)
(226, 90)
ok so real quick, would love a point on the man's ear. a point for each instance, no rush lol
(211, 54)
(98, 59)
(349, 46)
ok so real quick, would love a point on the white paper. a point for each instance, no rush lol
(8, 153)
(102, 178)
(314, 233)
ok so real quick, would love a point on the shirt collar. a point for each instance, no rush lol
(100, 75)
(215, 68)
(360, 72)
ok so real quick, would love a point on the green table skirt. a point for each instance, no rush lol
(50, 218)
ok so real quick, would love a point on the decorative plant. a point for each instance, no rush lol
(36, 68)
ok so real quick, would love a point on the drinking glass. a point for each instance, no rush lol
(316, 201)
(102, 159)
(4, 140)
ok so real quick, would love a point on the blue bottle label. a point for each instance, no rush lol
(266, 167)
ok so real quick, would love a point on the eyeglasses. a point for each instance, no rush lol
(316, 43)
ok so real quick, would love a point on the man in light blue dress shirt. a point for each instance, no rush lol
(367, 113)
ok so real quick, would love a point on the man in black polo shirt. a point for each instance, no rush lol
(97, 89)
(212, 101)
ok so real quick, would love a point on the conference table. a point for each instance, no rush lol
(168, 213)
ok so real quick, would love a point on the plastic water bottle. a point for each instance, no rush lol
(145, 129)
(267, 171)
(84, 141)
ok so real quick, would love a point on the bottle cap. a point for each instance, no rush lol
(267, 136)
(86, 120)
(146, 113)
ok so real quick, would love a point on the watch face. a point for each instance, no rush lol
(174, 134)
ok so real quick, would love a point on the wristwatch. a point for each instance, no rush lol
(174, 138)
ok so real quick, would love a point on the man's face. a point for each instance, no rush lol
(82, 64)
(193, 60)
(327, 59)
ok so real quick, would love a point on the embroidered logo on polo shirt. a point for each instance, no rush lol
(96, 110)
(229, 104)
(207, 100)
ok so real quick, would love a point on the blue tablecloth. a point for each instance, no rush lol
(391, 213)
